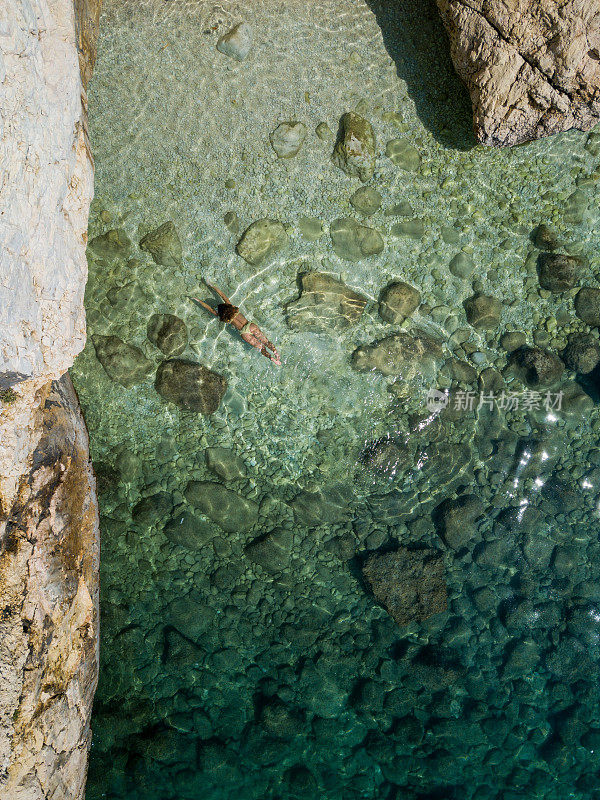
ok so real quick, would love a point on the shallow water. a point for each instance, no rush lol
(222, 677)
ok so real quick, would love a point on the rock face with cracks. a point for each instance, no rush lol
(49, 551)
(48, 513)
(532, 69)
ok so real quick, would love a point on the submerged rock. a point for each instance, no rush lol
(325, 304)
(408, 583)
(288, 138)
(354, 151)
(127, 299)
(299, 782)
(279, 720)
(402, 154)
(187, 530)
(512, 340)
(237, 42)
(545, 238)
(168, 333)
(110, 244)
(260, 240)
(225, 463)
(386, 456)
(587, 306)
(324, 132)
(311, 228)
(122, 362)
(558, 272)
(455, 520)
(462, 266)
(413, 228)
(191, 615)
(366, 200)
(402, 354)
(323, 507)
(353, 241)
(582, 353)
(444, 465)
(190, 385)
(164, 245)
(402, 209)
(271, 551)
(152, 509)
(483, 311)
(398, 301)
(232, 222)
(228, 509)
(536, 367)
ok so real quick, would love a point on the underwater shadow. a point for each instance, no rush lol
(415, 38)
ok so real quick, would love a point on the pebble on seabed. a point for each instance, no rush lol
(236, 43)
(288, 138)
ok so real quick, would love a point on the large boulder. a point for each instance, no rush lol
(325, 304)
(532, 69)
(410, 584)
(190, 385)
(403, 354)
(229, 510)
(123, 363)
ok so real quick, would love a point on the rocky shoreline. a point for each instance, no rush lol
(49, 532)
(532, 69)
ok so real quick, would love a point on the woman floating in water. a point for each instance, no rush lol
(249, 331)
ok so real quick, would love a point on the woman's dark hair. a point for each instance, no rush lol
(226, 312)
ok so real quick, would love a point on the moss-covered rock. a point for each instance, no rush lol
(190, 385)
(261, 240)
(164, 245)
(122, 362)
(354, 150)
(353, 241)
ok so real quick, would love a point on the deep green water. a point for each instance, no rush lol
(231, 669)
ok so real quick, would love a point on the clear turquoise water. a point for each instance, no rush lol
(219, 678)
